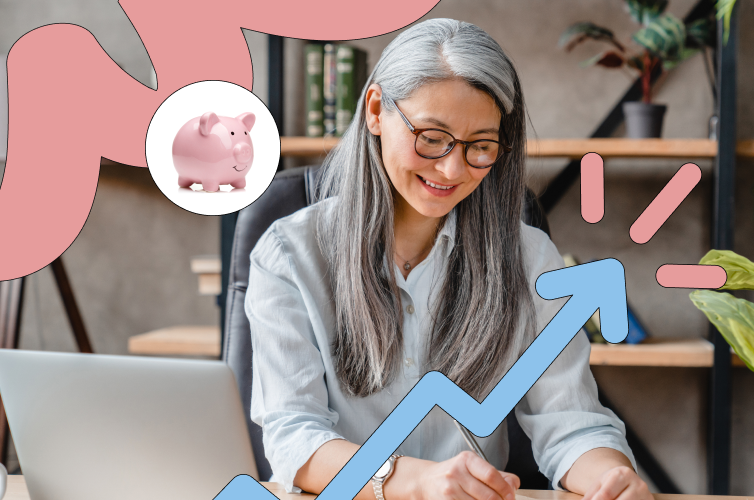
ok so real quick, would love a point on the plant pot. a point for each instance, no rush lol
(643, 120)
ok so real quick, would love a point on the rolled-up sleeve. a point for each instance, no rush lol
(289, 397)
(561, 413)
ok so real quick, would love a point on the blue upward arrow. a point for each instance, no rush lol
(596, 285)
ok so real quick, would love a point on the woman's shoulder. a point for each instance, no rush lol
(295, 234)
(539, 251)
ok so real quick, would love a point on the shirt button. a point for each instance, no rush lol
(409, 362)
(410, 309)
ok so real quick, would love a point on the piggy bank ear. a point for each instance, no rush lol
(206, 122)
(248, 120)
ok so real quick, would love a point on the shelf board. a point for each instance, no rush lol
(208, 268)
(306, 146)
(555, 148)
(564, 148)
(668, 353)
(205, 264)
(623, 148)
(205, 341)
(210, 284)
(197, 341)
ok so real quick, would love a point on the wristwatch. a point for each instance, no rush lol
(382, 475)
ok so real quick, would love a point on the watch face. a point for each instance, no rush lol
(382, 472)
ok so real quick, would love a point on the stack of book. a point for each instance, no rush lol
(335, 76)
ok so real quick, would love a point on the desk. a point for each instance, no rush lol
(17, 491)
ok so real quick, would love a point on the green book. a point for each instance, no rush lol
(328, 89)
(351, 71)
(313, 54)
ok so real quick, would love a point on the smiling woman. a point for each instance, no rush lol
(414, 260)
(448, 180)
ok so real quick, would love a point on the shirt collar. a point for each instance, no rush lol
(447, 234)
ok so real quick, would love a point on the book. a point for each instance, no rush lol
(314, 55)
(351, 76)
(636, 331)
(328, 89)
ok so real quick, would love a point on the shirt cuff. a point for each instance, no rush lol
(577, 449)
(286, 465)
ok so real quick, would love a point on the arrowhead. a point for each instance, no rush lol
(244, 487)
(595, 285)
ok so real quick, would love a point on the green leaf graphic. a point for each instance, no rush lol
(740, 270)
(734, 319)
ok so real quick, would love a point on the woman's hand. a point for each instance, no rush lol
(465, 477)
(618, 483)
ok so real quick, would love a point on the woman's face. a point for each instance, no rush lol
(451, 105)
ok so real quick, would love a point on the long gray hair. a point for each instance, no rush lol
(484, 299)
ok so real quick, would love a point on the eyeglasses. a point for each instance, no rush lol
(434, 143)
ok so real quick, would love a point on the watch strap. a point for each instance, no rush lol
(378, 482)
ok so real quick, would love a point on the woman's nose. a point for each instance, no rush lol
(453, 165)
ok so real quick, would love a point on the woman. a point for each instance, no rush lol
(416, 260)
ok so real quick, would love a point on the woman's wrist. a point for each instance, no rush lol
(403, 484)
(590, 467)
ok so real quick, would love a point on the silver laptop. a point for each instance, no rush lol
(94, 427)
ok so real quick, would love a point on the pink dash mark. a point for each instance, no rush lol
(665, 203)
(691, 276)
(592, 188)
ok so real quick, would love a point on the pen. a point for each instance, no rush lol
(469, 438)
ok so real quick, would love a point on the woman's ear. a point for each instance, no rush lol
(373, 108)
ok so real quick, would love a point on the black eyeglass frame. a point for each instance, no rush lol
(418, 131)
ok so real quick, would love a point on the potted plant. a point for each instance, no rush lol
(733, 317)
(663, 40)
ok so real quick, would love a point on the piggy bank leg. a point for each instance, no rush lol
(211, 186)
(184, 182)
(240, 183)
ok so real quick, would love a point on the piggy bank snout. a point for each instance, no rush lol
(242, 153)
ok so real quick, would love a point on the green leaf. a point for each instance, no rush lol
(740, 270)
(724, 11)
(665, 37)
(733, 318)
(608, 59)
(685, 53)
(577, 33)
(701, 33)
(646, 11)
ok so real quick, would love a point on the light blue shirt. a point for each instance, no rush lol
(298, 402)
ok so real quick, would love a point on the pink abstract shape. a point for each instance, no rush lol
(691, 276)
(70, 104)
(592, 188)
(665, 203)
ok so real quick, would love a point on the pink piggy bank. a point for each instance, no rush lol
(211, 150)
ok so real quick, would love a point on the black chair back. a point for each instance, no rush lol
(290, 191)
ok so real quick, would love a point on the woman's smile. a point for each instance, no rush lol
(437, 188)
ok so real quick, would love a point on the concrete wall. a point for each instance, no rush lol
(129, 265)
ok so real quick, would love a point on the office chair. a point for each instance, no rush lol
(290, 191)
